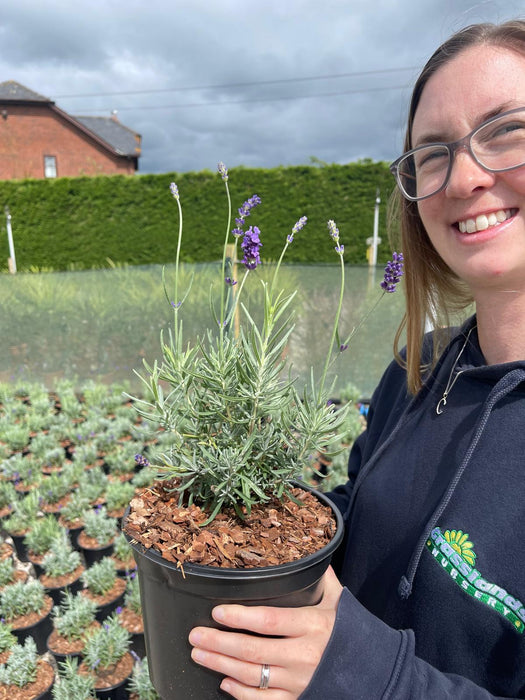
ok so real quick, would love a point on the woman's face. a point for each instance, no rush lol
(478, 83)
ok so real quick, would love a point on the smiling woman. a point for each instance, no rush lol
(427, 603)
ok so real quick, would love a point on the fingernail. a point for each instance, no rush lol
(218, 613)
(195, 637)
(198, 655)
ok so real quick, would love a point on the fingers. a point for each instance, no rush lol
(280, 622)
(245, 674)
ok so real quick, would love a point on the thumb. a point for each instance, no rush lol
(332, 590)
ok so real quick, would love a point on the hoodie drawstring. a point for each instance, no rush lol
(507, 384)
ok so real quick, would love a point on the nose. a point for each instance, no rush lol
(466, 175)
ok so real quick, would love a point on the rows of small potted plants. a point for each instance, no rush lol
(71, 621)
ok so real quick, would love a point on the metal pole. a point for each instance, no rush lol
(12, 258)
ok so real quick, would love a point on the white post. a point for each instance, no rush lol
(12, 258)
(375, 240)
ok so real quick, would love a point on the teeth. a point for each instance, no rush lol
(483, 221)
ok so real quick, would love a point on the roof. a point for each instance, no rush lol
(108, 130)
(10, 91)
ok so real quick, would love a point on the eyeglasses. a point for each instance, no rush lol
(497, 145)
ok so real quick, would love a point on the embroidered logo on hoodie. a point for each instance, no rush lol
(453, 550)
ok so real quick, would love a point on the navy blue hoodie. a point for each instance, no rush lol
(434, 598)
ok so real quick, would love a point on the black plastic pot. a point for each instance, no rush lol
(56, 593)
(20, 546)
(92, 554)
(40, 631)
(173, 603)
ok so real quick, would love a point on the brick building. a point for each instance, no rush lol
(38, 140)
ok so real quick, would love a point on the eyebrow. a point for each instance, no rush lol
(437, 137)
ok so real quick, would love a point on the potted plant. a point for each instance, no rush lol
(7, 496)
(21, 520)
(62, 568)
(104, 587)
(118, 496)
(221, 523)
(7, 641)
(9, 573)
(25, 675)
(70, 684)
(93, 484)
(122, 555)
(99, 533)
(106, 658)
(72, 515)
(27, 608)
(130, 616)
(140, 685)
(73, 619)
(39, 538)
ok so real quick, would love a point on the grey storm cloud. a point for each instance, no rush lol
(258, 83)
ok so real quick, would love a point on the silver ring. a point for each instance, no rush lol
(265, 677)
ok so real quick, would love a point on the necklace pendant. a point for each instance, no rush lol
(441, 405)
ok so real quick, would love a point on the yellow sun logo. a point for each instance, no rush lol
(459, 541)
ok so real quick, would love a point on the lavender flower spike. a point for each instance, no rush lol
(174, 190)
(334, 231)
(251, 244)
(223, 171)
(297, 227)
(393, 273)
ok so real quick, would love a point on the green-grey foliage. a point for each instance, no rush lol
(21, 598)
(140, 682)
(74, 615)
(132, 595)
(21, 666)
(101, 576)
(71, 685)
(43, 532)
(106, 645)
(61, 559)
(100, 526)
(7, 637)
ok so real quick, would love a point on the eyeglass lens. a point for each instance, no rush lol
(497, 146)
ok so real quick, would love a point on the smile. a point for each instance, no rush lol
(485, 221)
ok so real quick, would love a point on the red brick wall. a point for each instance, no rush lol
(31, 132)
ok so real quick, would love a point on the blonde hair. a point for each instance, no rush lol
(433, 291)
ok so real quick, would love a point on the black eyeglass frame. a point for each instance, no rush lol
(452, 148)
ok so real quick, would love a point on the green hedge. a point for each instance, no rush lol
(92, 222)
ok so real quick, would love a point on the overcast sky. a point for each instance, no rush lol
(259, 83)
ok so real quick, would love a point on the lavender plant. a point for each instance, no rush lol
(140, 682)
(75, 614)
(61, 559)
(71, 685)
(100, 526)
(21, 666)
(8, 638)
(21, 598)
(100, 577)
(106, 645)
(240, 429)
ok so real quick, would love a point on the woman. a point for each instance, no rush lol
(433, 604)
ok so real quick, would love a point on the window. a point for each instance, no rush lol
(50, 166)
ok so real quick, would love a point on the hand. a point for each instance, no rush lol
(303, 634)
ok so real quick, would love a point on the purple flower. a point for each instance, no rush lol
(119, 610)
(174, 190)
(297, 227)
(141, 460)
(251, 245)
(334, 231)
(343, 347)
(244, 212)
(223, 171)
(230, 281)
(393, 273)
(176, 304)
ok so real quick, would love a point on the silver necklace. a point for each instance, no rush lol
(452, 379)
